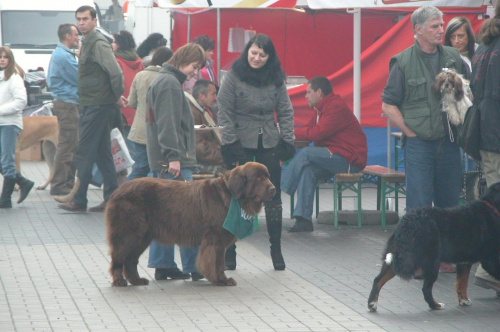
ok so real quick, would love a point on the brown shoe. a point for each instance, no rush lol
(72, 207)
(98, 208)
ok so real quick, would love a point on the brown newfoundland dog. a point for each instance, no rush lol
(184, 213)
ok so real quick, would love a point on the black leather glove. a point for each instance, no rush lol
(284, 151)
(232, 153)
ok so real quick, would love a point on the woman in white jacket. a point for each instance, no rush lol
(12, 102)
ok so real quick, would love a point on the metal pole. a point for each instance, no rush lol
(357, 64)
(218, 44)
(189, 28)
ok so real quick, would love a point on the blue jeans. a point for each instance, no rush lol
(140, 168)
(8, 141)
(303, 173)
(433, 173)
(162, 257)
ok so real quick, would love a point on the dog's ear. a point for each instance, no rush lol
(458, 86)
(237, 182)
(436, 88)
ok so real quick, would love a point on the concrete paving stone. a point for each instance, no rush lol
(56, 263)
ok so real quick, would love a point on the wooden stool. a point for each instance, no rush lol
(388, 181)
(342, 182)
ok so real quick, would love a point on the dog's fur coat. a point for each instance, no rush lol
(455, 94)
(185, 213)
(36, 129)
(425, 237)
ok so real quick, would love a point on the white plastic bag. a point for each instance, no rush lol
(119, 149)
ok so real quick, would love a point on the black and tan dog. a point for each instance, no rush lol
(425, 237)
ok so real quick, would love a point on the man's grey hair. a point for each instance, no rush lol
(202, 86)
(422, 15)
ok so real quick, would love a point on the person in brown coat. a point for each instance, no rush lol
(208, 142)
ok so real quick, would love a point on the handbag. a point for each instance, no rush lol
(469, 138)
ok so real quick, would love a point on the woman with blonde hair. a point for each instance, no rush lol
(12, 101)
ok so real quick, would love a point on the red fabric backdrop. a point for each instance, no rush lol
(313, 43)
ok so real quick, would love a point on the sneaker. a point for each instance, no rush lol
(301, 225)
(487, 284)
(195, 276)
(164, 274)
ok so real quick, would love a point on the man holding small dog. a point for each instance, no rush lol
(62, 79)
(432, 158)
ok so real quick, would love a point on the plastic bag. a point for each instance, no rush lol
(119, 149)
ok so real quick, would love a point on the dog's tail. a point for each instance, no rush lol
(399, 256)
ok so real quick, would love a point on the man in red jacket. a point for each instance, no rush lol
(339, 147)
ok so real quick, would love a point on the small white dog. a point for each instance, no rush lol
(455, 94)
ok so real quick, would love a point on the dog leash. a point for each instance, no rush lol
(492, 208)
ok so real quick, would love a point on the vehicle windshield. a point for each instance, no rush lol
(33, 29)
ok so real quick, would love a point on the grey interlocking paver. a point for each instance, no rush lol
(54, 277)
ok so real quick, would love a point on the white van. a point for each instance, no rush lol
(29, 28)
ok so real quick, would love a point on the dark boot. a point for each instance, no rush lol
(25, 187)
(274, 216)
(230, 258)
(301, 225)
(8, 188)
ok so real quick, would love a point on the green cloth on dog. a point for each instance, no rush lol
(237, 221)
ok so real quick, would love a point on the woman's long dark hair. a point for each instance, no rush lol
(270, 73)
(153, 41)
(455, 24)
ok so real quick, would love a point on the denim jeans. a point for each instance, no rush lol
(303, 173)
(140, 168)
(8, 142)
(433, 173)
(163, 257)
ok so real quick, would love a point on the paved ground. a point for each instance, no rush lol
(53, 277)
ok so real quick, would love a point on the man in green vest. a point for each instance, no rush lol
(100, 88)
(432, 159)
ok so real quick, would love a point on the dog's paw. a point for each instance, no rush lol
(120, 283)
(140, 282)
(372, 306)
(440, 306)
(226, 282)
(465, 302)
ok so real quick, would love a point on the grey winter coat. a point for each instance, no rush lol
(171, 136)
(246, 110)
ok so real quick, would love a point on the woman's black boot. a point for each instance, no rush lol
(25, 187)
(230, 258)
(274, 216)
(7, 189)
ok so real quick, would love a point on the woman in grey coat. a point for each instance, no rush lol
(252, 97)
(170, 139)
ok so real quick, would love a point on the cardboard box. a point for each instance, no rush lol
(33, 153)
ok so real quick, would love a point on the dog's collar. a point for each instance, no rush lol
(492, 208)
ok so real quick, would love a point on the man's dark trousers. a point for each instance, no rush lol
(94, 146)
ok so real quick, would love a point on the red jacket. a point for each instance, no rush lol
(129, 68)
(337, 129)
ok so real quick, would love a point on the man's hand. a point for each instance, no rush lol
(122, 102)
(174, 168)
(396, 118)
